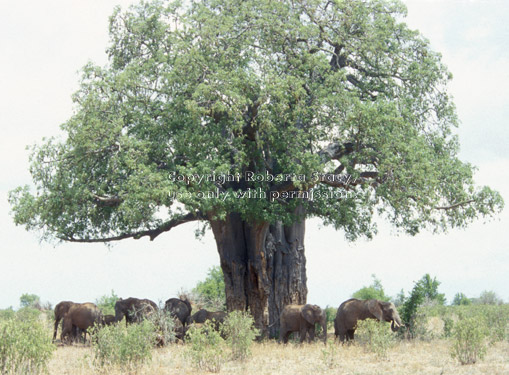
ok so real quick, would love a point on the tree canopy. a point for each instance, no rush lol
(374, 291)
(339, 93)
(424, 291)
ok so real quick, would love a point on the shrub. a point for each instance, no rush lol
(330, 354)
(25, 347)
(239, 330)
(107, 303)
(488, 297)
(427, 326)
(496, 318)
(7, 314)
(448, 327)
(210, 293)
(461, 299)
(498, 323)
(469, 343)
(330, 312)
(164, 325)
(206, 347)
(128, 347)
(375, 336)
(30, 300)
(425, 291)
(28, 314)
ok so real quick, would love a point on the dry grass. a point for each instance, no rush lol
(271, 358)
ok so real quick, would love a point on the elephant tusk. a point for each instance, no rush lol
(396, 323)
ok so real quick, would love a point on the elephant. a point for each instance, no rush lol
(179, 329)
(60, 310)
(109, 319)
(353, 310)
(178, 308)
(83, 316)
(302, 319)
(203, 315)
(134, 309)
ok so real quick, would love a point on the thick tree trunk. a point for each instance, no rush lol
(287, 262)
(264, 267)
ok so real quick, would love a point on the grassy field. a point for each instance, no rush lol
(428, 353)
(407, 357)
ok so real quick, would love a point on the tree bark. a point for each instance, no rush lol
(264, 267)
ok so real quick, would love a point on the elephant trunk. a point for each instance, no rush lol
(324, 327)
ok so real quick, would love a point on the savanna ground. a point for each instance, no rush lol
(376, 349)
(407, 357)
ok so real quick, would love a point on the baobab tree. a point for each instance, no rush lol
(252, 116)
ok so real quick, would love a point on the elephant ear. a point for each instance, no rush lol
(375, 309)
(308, 313)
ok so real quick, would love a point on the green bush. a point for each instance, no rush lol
(28, 314)
(25, 347)
(469, 340)
(374, 291)
(239, 330)
(375, 336)
(330, 312)
(128, 347)
(210, 293)
(164, 324)
(206, 347)
(495, 316)
(498, 323)
(7, 314)
(424, 292)
(30, 300)
(448, 327)
(107, 303)
(461, 299)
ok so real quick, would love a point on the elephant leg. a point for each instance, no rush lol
(311, 334)
(285, 335)
(75, 334)
(303, 333)
(66, 331)
(350, 333)
(85, 336)
(57, 321)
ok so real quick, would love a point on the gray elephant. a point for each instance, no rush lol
(178, 308)
(203, 315)
(60, 310)
(302, 319)
(82, 316)
(353, 310)
(134, 309)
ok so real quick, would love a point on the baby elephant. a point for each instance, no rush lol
(353, 310)
(302, 319)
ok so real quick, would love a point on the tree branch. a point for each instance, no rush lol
(336, 150)
(151, 233)
(112, 201)
(346, 181)
(453, 206)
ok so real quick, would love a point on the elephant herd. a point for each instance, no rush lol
(79, 317)
(294, 318)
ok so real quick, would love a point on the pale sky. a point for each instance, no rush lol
(44, 44)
